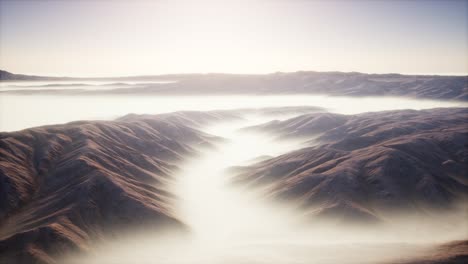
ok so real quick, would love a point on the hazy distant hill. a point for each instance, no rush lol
(8, 76)
(329, 83)
(369, 165)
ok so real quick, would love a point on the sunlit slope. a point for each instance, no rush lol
(241, 225)
(69, 187)
(63, 186)
(369, 167)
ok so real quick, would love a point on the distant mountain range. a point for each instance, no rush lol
(307, 82)
(8, 76)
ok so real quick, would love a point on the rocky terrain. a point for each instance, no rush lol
(368, 167)
(63, 186)
(306, 82)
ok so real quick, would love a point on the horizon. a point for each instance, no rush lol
(231, 73)
(233, 131)
(122, 38)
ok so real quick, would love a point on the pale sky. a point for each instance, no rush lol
(115, 38)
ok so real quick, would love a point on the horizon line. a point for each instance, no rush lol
(458, 74)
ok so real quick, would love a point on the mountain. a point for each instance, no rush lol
(8, 76)
(306, 82)
(371, 166)
(63, 186)
(302, 126)
(329, 83)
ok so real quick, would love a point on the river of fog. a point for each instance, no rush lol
(229, 224)
(24, 111)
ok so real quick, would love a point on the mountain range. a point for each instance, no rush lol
(304, 82)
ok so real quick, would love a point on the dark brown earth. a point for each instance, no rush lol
(369, 166)
(63, 186)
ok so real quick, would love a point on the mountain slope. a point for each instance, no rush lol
(369, 166)
(63, 186)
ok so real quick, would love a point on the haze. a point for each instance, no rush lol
(37, 110)
(115, 38)
(237, 132)
(234, 225)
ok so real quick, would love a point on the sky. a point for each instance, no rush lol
(122, 38)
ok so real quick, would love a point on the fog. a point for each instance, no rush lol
(24, 111)
(234, 225)
(74, 84)
(228, 224)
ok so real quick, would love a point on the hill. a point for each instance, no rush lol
(369, 167)
(63, 186)
(327, 83)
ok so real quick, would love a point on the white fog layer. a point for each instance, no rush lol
(23, 111)
(233, 225)
(227, 223)
(233, 132)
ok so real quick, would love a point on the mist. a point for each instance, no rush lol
(229, 223)
(23, 111)
(237, 132)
